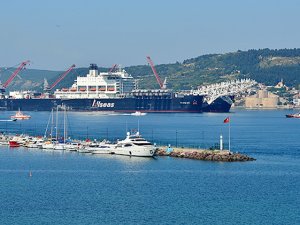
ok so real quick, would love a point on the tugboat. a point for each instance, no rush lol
(295, 115)
(20, 116)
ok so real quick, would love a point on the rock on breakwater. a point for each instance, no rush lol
(208, 155)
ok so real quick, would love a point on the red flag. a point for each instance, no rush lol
(227, 120)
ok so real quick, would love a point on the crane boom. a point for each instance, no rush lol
(62, 76)
(112, 68)
(15, 73)
(161, 85)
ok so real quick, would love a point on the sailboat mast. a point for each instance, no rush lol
(56, 126)
(46, 131)
(65, 131)
(52, 123)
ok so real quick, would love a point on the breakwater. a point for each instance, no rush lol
(203, 154)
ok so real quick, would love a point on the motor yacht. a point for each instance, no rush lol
(134, 145)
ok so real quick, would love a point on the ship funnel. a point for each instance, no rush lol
(93, 69)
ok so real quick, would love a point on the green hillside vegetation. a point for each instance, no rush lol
(27, 79)
(264, 65)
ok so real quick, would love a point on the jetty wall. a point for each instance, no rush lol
(203, 154)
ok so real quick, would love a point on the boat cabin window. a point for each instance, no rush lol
(139, 139)
(145, 143)
(104, 146)
(127, 145)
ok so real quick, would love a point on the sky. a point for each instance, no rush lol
(58, 33)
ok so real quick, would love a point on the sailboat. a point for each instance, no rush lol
(49, 144)
(58, 145)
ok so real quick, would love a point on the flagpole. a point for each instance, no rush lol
(229, 134)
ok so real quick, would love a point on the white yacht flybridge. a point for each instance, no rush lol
(98, 85)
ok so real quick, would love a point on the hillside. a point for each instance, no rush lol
(264, 65)
(27, 79)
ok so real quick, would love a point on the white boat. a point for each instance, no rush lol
(104, 147)
(138, 113)
(295, 115)
(59, 146)
(83, 150)
(4, 139)
(31, 144)
(134, 145)
(20, 116)
(48, 145)
(73, 146)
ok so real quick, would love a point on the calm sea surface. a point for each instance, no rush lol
(73, 188)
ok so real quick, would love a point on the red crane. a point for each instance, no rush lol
(161, 85)
(15, 73)
(112, 68)
(62, 77)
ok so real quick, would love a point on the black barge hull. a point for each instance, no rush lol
(188, 103)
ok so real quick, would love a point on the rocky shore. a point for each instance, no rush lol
(208, 155)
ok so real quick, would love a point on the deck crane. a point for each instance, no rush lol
(160, 83)
(113, 68)
(11, 78)
(62, 77)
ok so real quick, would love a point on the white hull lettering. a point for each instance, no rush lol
(99, 104)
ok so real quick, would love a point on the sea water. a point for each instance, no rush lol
(74, 188)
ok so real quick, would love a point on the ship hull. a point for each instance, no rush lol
(221, 104)
(188, 103)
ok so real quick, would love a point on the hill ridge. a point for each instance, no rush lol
(266, 66)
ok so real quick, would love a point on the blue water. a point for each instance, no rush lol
(73, 188)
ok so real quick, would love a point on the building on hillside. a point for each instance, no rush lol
(296, 100)
(263, 99)
(281, 85)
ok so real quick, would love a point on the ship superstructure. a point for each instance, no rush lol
(99, 85)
